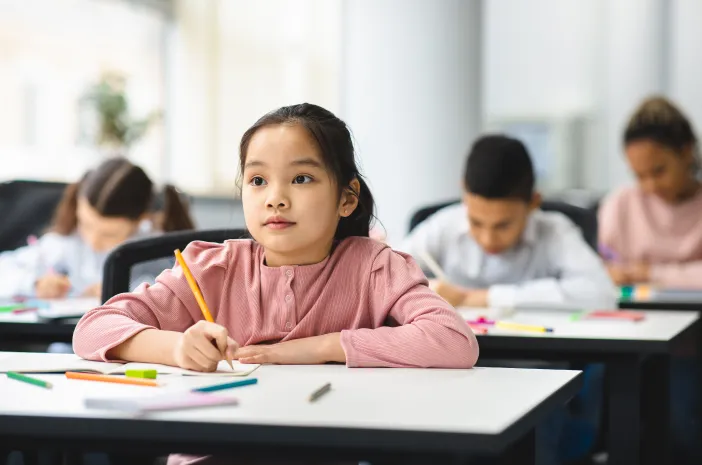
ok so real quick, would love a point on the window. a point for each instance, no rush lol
(51, 53)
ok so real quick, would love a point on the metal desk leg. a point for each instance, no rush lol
(656, 410)
(624, 395)
(522, 452)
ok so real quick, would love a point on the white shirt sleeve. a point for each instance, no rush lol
(580, 278)
(428, 237)
(21, 268)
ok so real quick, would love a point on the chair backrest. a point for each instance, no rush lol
(26, 209)
(585, 219)
(425, 212)
(121, 263)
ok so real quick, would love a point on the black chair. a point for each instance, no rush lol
(122, 262)
(585, 219)
(26, 209)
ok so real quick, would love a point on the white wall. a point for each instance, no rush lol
(686, 58)
(411, 95)
(594, 58)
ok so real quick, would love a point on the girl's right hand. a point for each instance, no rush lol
(203, 345)
(52, 286)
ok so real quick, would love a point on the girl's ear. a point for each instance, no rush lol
(349, 198)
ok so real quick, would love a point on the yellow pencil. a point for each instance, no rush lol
(523, 327)
(198, 296)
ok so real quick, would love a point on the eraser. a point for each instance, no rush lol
(150, 374)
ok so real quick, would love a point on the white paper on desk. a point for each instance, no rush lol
(60, 363)
(170, 401)
(72, 307)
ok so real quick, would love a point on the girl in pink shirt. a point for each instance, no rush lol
(652, 232)
(310, 288)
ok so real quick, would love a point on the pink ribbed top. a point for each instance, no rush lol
(376, 297)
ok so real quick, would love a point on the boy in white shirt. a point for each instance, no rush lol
(498, 249)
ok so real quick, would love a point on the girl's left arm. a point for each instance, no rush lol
(428, 332)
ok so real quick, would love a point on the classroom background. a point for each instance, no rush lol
(416, 80)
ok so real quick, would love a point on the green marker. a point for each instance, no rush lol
(27, 379)
(10, 308)
(149, 374)
(627, 292)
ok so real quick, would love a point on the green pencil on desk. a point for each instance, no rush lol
(27, 379)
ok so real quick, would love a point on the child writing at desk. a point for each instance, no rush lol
(310, 288)
(497, 249)
(108, 206)
(651, 232)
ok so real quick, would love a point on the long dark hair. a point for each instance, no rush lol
(119, 189)
(336, 146)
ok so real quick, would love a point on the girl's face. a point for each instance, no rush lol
(659, 170)
(291, 202)
(102, 233)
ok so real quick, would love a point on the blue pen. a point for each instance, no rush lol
(233, 384)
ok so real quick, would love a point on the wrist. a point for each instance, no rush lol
(331, 349)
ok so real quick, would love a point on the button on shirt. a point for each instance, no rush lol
(551, 264)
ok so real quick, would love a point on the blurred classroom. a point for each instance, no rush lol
(417, 81)
(172, 85)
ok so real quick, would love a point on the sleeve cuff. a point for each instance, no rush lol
(349, 349)
(102, 353)
(502, 296)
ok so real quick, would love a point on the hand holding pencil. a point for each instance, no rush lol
(204, 344)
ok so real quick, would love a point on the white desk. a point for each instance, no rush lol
(621, 346)
(658, 326)
(437, 413)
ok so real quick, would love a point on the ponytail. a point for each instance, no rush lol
(359, 222)
(176, 213)
(65, 219)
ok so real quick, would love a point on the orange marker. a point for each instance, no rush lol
(198, 295)
(110, 379)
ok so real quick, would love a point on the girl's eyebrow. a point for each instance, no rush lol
(307, 161)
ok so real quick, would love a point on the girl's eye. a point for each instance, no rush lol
(257, 181)
(302, 179)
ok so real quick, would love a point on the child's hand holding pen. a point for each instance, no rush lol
(52, 286)
(455, 295)
(624, 273)
(203, 345)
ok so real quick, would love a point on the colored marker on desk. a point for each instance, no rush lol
(523, 327)
(29, 380)
(233, 384)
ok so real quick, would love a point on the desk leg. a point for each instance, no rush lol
(655, 380)
(522, 452)
(624, 395)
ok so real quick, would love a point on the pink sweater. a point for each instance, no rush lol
(642, 227)
(377, 298)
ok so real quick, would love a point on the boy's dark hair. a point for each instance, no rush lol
(119, 189)
(499, 167)
(338, 155)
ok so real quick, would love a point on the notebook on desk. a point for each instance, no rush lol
(61, 363)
